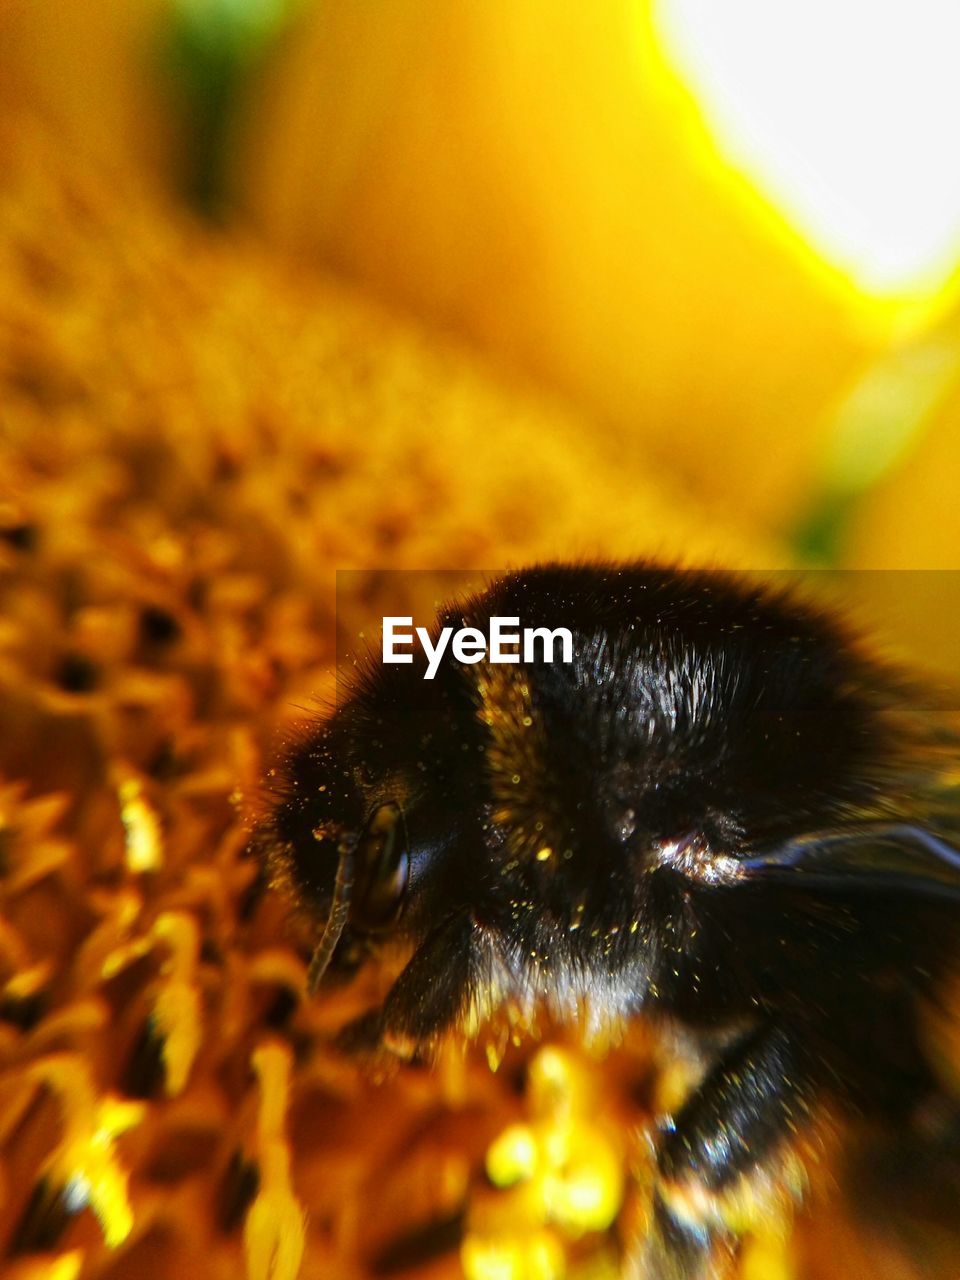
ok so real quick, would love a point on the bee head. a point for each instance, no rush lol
(374, 806)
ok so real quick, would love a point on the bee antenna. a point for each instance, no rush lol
(336, 920)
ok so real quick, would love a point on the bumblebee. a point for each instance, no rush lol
(722, 814)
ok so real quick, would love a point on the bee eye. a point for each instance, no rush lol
(382, 871)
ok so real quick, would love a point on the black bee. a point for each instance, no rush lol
(721, 813)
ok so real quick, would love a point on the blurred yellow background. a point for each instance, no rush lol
(554, 183)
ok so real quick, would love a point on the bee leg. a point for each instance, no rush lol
(430, 994)
(720, 1164)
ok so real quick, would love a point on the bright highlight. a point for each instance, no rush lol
(844, 115)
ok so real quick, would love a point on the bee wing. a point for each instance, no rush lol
(895, 857)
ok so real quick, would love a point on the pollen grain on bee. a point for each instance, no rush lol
(692, 856)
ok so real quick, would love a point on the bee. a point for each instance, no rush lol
(722, 814)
